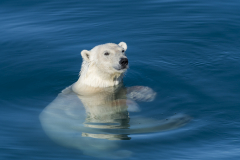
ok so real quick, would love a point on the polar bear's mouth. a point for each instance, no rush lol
(124, 67)
(121, 68)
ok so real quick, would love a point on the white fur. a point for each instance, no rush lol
(99, 70)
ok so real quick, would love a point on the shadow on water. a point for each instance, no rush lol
(94, 124)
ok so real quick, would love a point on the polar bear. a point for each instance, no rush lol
(95, 109)
(104, 66)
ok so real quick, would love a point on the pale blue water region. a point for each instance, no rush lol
(187, 51)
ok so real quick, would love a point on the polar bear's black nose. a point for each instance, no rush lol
(123, 62)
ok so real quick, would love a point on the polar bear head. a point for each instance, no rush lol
(104, 65)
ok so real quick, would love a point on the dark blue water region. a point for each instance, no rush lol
(187, 51)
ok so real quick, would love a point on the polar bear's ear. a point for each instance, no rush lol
(123, 45)
(86, 55)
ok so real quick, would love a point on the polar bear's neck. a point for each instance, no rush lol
(90, 75)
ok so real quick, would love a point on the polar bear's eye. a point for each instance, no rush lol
(106, 53)
(123, 51)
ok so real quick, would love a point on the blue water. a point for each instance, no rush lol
(187, 51)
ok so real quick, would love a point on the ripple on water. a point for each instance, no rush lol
(83, 121)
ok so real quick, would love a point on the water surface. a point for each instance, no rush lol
(186, 51)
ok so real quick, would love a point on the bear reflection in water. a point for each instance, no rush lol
(89, 122)
(91, 117)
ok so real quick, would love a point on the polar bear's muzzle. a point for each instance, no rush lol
(123, 62)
